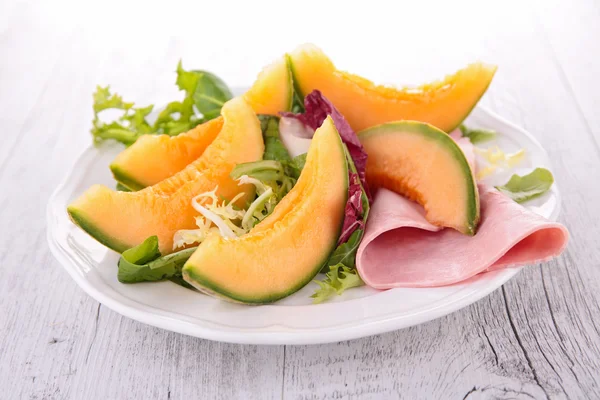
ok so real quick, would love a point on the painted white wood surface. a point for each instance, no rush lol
(537, 337)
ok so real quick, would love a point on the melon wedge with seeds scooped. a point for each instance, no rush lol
(287, 249)
(444, 104)
(424, 164)
(153, 158)
(121, 220)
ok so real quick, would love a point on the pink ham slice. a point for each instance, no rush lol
(401, 249)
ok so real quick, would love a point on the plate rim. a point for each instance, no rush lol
(282, 335)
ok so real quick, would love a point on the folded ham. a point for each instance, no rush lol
(401, 249)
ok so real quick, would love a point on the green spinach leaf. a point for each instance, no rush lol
(477, 135)
(143, 263)
(527, 187)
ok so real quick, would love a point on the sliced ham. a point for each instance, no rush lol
(401, 249)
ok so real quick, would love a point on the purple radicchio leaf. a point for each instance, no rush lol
(317, 109)
(353, 218)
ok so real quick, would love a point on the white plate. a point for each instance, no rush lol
(294, 320)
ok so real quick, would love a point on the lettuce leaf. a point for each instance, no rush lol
(143, 263)
(264, 170)
(274, 147)
(277, 169)
(527, 187)
(130, 125)
(297, 165)
(276, 150)
(337, 280)
(345, 253)
(210, 94)
(477, 135)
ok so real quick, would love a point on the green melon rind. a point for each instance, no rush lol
(432, 133)
(125, 179)
(79, 218)
(291, 91)
(209, 287)
(297, 95)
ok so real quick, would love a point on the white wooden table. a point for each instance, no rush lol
(537, 337)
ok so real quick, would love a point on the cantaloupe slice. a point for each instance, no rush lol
(288, 248)
(444, 104)
(153, 158)
(273, 90)
(121, 220)
(424, 164)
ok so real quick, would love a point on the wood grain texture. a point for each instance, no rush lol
(537, 337)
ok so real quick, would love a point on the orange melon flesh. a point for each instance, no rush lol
(273, 89)
(288, 248)
(424, 164)
(153, 158)
(121, 220)
(444, 104)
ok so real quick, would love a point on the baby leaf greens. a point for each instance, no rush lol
(527, 187)
(274, 148)
(338, 279)
(277, 169)
(143, 263)
(477, 135)
(205, 94)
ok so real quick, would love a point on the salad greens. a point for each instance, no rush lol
(297, 164)
(527, 187)
(337, 280)
(210, 93)
(205, 94)
(273, 177)
(277, 169)
(143, 263)
(225, 216)
(345, 253)
(477, 135)
(274, 147)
